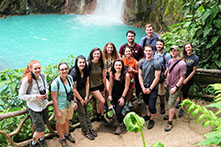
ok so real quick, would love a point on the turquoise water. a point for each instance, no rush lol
(49, 38)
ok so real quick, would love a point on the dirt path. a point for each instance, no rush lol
(185, 133)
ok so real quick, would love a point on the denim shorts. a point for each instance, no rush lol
(39, 119)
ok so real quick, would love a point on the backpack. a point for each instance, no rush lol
(126, 44)
(57, 82)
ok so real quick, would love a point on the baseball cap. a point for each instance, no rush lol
(175, 47)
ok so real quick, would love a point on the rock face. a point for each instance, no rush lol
(160, 13)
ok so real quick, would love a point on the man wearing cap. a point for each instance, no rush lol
(176, 75)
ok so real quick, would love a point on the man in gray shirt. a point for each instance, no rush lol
(149, 75)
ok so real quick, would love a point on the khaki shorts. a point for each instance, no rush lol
(66, 114)
(161, 88)
(172, 98)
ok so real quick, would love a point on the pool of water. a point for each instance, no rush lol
(49, 38)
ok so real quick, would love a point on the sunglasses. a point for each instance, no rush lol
(63, 69)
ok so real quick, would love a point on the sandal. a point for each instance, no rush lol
(89, 136)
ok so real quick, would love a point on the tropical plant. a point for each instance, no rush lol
(135, 123)
(209, 117)
(201, 27)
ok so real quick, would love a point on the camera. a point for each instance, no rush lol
(42, 92)
(127, 66)
(70, 96)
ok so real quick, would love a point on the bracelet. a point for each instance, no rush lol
(123, 96)
(150, 89)
(177, 87)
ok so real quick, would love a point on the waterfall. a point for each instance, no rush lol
(107, 12)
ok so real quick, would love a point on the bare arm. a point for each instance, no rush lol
(190, 75)
(110, 86)
(156, 79)
(54, 95)
(140, 77)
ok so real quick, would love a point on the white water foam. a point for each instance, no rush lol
(107, 12)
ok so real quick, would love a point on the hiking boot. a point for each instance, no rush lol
(162, 109)
(70, 138)
(34, 145)
(150, 124)
(63, 143)
(169, 126)
(93, 132)
(178, 104)
(104, 121)
(130, 105)
(146, 117)
(119, 129)
(181, 113)
(166, 117)
(98, 117)
(42, 142)
(139, 101)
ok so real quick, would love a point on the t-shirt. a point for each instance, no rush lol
(191, 61)
(148, 71)
(137, 51)
(151, 41)
(178, 71)
(96, 78)
(80, 82)
(131, 63)
(161, 56)
(62, 96)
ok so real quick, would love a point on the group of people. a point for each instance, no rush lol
(145, 68)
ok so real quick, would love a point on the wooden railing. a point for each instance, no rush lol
(15, 132)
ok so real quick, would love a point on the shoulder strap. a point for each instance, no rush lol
(144, 42)
(174, 65)
(164, 60)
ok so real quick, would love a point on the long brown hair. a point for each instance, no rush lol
(183, 52)
(27, 72)
(114, 54)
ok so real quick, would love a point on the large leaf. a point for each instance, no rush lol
(206, 31)
(217, 23)
(214, 39)
(216, 105)
(206, 15)
(214, 11)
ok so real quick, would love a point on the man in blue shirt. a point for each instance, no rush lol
(163, 57)
(150, 38)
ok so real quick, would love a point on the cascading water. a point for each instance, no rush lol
(107, 12)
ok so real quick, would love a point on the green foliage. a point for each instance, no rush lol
(201, 27)
(208, 117)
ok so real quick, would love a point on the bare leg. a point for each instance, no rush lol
(100, 108)
(37, 135)
(60, 130)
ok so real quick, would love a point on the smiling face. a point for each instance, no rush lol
(118, 66)
(81, 64)
(159, 45)
(148, 51)
(130, 37)
(127, 52)
(188, 49)
(96, 55)
(36, 69)
(174, 53)
(110, 49)
(149, 31)
(63, 70)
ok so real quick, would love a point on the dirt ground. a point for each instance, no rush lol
(185, 133)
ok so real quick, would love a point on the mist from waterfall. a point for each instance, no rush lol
(107, 12)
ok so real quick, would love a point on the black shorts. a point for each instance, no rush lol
(100, 88)
(39, 119)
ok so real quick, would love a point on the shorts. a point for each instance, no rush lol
(172, 98)
(66, 114)
(100, 88)
(162, 89)
(39, 119)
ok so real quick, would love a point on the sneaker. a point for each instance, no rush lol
(181, 113)
(150, 124)
(169, 126)
(63, 143)
(146, 117)
(166, 117)
(89, 136)
(93, 132)
(119, 129)
(162, 109)
(139, 100)
(34, 145)
(70, 138)
(104, 121)
(130, 105)
(178, 105)
(42, 142)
